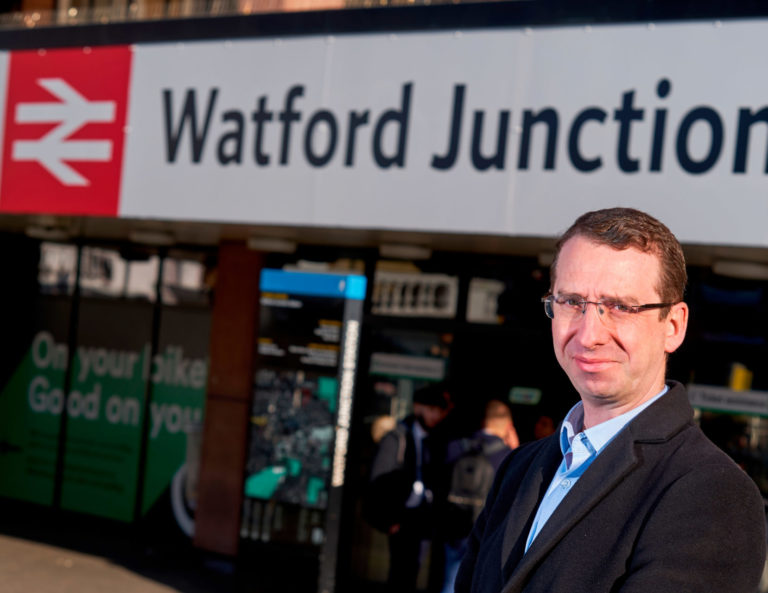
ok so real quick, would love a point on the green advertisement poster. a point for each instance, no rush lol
(111, 367)
(29, 407)
(176, 415)
(30, 403)
(105, 406)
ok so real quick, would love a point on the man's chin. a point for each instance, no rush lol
(595, 387)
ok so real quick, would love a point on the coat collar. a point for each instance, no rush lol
(523, 508)
(658, 423)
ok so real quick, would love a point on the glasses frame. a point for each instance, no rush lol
(550, 299)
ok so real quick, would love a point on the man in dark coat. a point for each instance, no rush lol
(628, 495)
(404, 474)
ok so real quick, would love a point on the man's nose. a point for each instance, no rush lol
(593, 324)
(598, 307)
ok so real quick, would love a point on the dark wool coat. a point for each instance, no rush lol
(660, 510)
(393, 472)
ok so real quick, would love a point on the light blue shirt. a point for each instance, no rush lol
(417, 494)
(580, 448)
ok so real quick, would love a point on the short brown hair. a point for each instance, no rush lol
(622, 228)
(497, 410)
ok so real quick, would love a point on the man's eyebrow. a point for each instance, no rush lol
(628, 300)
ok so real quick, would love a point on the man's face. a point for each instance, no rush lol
(430, 416)
(613, 366)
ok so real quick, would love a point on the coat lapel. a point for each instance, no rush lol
(610, 467)
(532, 488)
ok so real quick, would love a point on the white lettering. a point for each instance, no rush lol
(157, 418)
(42, 400)
(46, 353)
(349, 366)
(87, 406)
(170, 367)
(84, 357)
(38, 400)
(197, 374)
(122, 410)
(173, 417)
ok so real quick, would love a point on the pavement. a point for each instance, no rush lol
(45, 552)
(33, 567)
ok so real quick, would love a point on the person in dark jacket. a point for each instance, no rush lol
(495, 439)
(628, 495)
(404, 475)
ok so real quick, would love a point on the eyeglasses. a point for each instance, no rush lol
(570, 306)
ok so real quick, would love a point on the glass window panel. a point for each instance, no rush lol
(57, 268)
(187, 279)
(141, 278)
(111, 273)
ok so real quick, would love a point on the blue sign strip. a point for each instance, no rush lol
(347, 286)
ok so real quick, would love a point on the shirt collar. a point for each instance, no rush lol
(418, 430)
(599, 436)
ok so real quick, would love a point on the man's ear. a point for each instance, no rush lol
(677, 324)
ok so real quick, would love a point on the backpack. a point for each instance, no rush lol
(471, 479)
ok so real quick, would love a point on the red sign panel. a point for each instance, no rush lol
(65, 130)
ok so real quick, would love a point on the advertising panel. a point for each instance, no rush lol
(104, 410)
(30, 405)
(302, 409)
(174, 438)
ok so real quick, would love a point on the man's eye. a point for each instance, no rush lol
(571, 301)
(617, 307)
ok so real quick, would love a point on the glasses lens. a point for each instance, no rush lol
(570, 308)
(548, 307)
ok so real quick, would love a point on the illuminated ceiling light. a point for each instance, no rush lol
(398, 251)
(271, 245)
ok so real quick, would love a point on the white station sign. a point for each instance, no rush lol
(493, 131)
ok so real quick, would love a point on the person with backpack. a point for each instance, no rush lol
(472, 463)
(399, 497)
